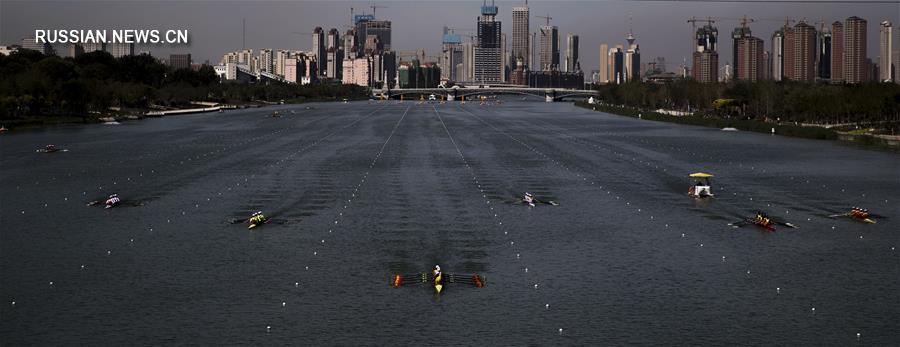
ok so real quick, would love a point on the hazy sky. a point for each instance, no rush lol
(215, 26)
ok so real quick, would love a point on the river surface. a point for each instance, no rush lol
(360, 191)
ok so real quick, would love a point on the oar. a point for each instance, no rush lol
(549, 202)
(740, 223)
(839, 215)
(788, 225)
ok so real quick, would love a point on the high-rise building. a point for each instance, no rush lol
(366, 25)
(467, 72)
(74, 49)
(885, 43)
(281, 57)
(334, 63)
(632, 59)
(603, 70)
(736, 35)
(451, 55)
(32, 44)
(823, 54)
(837, 51)
(549, 48)
(706, 58)
(776, 68)
(119, 50)
(349, 45)
(616, 65)
(504, 57)
(521, 34)
(766, 72)
(488, 52)
(749, 63)
(855, 50)
(572, 63)
(266, 61)
(319, 50)
(293, 70)
(180, 61)
(804, 53)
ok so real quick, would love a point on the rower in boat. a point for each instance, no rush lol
(528, 199)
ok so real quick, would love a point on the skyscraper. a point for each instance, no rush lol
(788, 61)
(736, 35)
(804, 54)
(854, 50)
(266, 60)
(488, 53)
(616, 65)
(632, 59)
(837, 51)
(366, 25)
(467, 73)
(823, 53)
(451, 55)
(706, 58)
(319, 48)
(777, 56)
(603, 76)
(749, 63)
(520, 34)
(885, 43)
(549, 48)
(572, 63)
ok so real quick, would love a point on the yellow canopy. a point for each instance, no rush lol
(701, 175)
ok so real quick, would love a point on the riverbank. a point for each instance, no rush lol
(792, 130)
(37, 122)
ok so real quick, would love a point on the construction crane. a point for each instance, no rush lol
(693, 21)
(547, 17)
(375, 6)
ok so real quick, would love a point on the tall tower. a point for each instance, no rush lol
(837, 51)
(804, 52)
(488, 53)
(451, 55)
(520, 34)
(549, 48)
(854, 50)
(823, 52)
(632, 58)
(748, 66)
(777, 56)
(885, 43)
(604, 64)
(572, 64)
(736, 35)
(706, 57)
(318, 48)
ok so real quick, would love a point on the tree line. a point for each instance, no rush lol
(35, 85)
(820, 103)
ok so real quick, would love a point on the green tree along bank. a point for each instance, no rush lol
(46, 89)
(874, 105)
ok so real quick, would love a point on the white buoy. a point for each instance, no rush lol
(535, 286)
(108, 252)
(547, 306)
(268, 328)
(778, 290)
(283, 303)
(51, 283)
(82, 266)
(857, 336)
(560, 331)
(723, 258)
(813, 310)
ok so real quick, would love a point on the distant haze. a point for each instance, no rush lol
(215, 27)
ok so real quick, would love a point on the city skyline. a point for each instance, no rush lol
(660, 27)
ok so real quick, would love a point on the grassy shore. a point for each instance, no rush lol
(817, 133)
